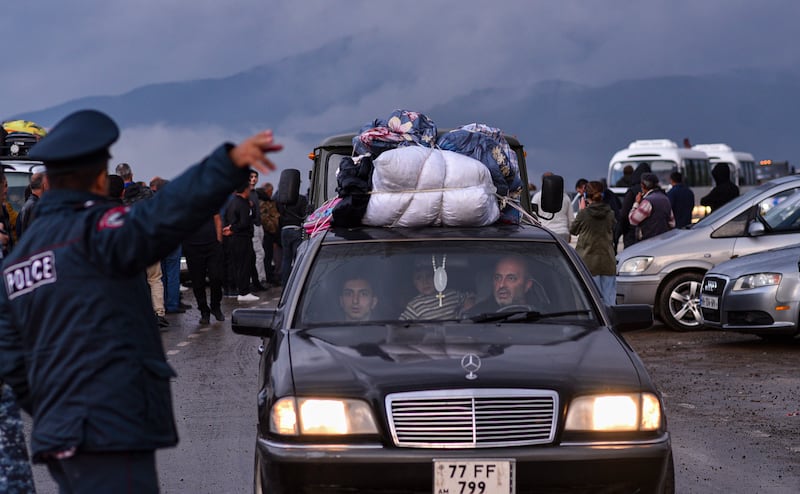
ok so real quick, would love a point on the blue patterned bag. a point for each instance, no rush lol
(403, 128)
(489, 146)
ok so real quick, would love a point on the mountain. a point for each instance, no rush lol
(569, 128)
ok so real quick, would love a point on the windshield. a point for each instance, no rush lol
(733, 205)
(437, 280)
(17, 182)
(662, 168)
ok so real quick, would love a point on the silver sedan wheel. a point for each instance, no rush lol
(680, 308)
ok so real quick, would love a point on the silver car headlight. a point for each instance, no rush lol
(756, 280)
(636, 265)
(615, 413)
(293, 416)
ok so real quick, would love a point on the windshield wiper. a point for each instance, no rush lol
(524, 315)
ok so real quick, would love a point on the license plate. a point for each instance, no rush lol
(709, 302)
(474, 477)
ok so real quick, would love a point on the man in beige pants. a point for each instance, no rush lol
(131, 193)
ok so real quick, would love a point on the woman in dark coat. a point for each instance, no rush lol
(594, 226)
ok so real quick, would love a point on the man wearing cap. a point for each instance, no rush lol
(651, 213)
(88, 364)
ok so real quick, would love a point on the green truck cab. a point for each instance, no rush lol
(330, 152)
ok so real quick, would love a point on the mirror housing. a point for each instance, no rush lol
(630, 317)
(253, 322)
(552, 193)
(288, 187)
(755, 228)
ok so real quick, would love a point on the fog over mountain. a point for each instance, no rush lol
(567, 127)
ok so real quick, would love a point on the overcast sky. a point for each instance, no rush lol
(58, 51)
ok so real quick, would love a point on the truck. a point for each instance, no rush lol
(327, 155)
(16, 138)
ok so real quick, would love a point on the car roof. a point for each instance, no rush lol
(497, 232)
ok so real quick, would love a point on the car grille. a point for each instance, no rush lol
(715, 286)
(472, 418)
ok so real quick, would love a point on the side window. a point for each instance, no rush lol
(781, 212)
(737, 227)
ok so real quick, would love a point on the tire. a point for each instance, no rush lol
(669, 481)
(679, 302)
(258, 487)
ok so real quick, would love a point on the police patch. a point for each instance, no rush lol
(113, 218)
(28, 275)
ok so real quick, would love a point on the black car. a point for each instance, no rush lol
(452, 360)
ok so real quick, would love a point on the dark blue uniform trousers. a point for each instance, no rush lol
(124, 472)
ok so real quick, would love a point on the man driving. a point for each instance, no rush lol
(512, 282)
(357, 299)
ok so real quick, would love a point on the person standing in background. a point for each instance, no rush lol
(594, 226)
(577, 201)
(204, 260)
(170, 267)
(724, 189)
(258, 276)
(291, 217)
(651, 213)
(270, 219)
(681, 198)
(238, 230)
(131, 194)
(38, 187)
(623, 228)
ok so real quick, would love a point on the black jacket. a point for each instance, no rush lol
(724, 191)
(79, 341)
(238, 215)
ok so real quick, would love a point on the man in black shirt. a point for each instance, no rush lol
(239, 233)
(204, 259)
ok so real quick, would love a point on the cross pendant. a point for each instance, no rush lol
(440, 296)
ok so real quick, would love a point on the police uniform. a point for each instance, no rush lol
(79, 342)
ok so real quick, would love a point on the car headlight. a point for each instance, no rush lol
(321, 416)
(756, 280)
(636, 265)
(618, 412)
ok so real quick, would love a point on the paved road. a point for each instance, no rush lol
(733, 404)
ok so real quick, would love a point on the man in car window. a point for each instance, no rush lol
(357, 299)
(511, 283)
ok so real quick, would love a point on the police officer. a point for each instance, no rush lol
(79, 343)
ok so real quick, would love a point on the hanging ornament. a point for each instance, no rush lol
(439, 277)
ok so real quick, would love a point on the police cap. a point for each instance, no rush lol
(80, 138)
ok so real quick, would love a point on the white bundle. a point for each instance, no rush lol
(420, 186)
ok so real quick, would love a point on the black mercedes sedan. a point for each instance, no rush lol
(452, 361)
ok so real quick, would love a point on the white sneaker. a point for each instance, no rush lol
(247, 298)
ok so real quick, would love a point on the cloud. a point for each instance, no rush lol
(66, 50)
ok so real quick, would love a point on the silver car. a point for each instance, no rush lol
(667, 270)
(757, 294)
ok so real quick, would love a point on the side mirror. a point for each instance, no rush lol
(288, 187)
(630, 317)
(755, 228)
(253, 322)
(552, 193)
